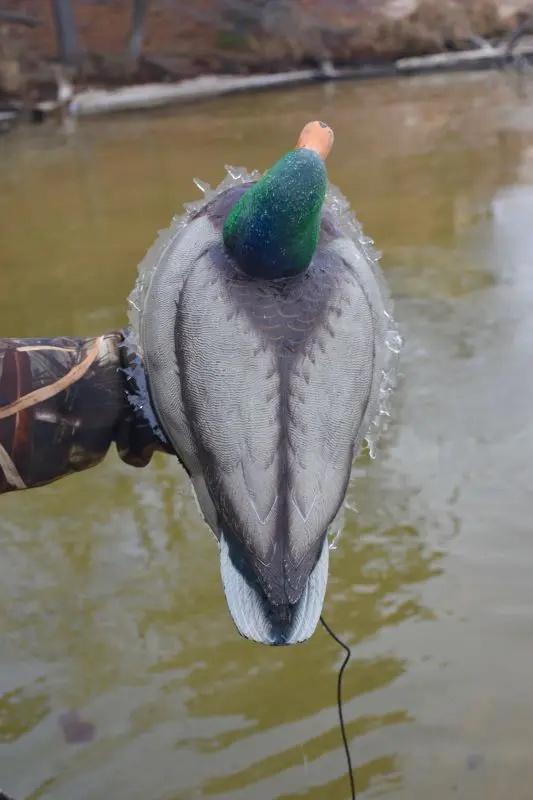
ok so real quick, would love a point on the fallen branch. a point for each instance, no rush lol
(483, 58)
(525, 28)
(27, 21)
(153, 95)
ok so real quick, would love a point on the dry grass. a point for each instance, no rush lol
(289, 33)
(365, 32)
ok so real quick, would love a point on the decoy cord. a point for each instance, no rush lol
(339, 703)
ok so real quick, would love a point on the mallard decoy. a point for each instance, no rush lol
(261, 352)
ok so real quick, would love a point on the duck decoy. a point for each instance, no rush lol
(261, 352)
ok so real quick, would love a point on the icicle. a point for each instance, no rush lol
(205, 188)
(234, 172)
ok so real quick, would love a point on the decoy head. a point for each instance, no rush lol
(272, 231)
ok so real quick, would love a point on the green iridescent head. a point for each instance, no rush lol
(273, 229)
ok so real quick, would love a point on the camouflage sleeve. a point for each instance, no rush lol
(63, 402)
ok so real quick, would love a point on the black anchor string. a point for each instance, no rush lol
(344, 664)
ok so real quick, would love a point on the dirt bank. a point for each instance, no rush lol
(250, 36)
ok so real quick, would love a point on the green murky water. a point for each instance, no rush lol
(110, 596)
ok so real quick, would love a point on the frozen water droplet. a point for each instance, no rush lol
(384, 407)
(233, 172)
(335, 540)
(204, 187)
(394, 342)
(371, 448)
(191, 207)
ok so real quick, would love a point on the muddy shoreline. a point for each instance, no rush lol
(215, 48)
(99, 101)
(179, 41)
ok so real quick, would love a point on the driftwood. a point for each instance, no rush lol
(153, 95)
(27, 21)
(524, 28)
(92, 102)
(487, 57)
